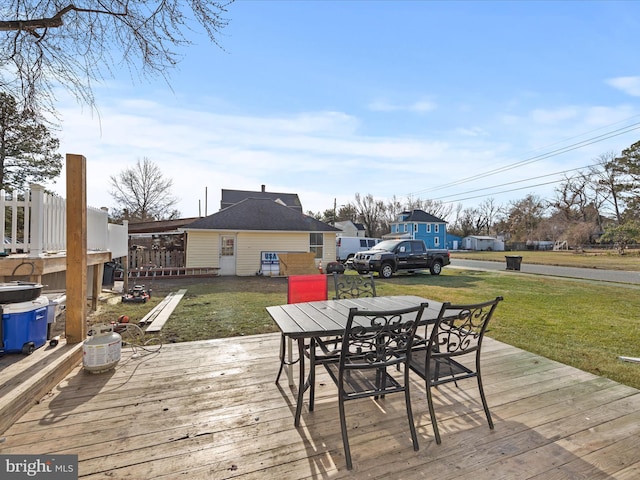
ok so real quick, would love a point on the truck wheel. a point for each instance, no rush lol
(386, 270)
(436, 268)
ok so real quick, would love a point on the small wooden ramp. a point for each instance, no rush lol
(161, 312)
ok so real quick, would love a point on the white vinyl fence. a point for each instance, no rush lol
(36, 223)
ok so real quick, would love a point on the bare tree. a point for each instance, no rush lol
(143, 194)
(608, 179)
(468, 221)
(572, 197)
(44, 43)
(488, 212)
(524, 216)
(390, 213)
(434, 207)
(370, 213)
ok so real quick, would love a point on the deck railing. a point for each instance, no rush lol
(36, 223)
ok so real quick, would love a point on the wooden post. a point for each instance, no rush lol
(76, 248)
(96, 286)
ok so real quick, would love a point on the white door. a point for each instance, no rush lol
(227, 255)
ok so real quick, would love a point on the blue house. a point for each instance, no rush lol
(420, 225)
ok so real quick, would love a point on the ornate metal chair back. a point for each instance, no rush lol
(353, 286)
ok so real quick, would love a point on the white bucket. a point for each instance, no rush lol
(101, 352)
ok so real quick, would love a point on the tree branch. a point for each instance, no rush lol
(50, 22)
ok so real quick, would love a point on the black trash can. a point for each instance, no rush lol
(334, 267)
(513, 262)
(109, 274)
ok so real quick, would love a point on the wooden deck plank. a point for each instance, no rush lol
(211, 410)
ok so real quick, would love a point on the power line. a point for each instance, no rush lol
(537, 158)
(516, 181)
(504, 191)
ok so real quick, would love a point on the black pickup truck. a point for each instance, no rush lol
(389, 256)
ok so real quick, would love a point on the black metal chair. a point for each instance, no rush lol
(321, 350)
(373, 343)
(353, 286)
(458, 332)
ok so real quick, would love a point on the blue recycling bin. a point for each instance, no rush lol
(24, 326)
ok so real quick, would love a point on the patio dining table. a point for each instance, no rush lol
(328, 318)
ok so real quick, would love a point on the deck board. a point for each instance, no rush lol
(210, 410)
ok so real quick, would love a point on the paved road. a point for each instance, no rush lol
(572, 272)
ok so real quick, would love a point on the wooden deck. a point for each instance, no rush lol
(210, 410)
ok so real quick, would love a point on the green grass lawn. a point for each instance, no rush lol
(581, 323)
(605, 259)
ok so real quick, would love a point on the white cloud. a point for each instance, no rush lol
(629, 85)
(318, 155)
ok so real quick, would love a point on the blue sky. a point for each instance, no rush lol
(327, 99)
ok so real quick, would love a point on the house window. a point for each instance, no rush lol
(226, 249)
(405, 228)
(436, 241)
(436, 227)
(315, 244)
(415, 227)
(428, 228)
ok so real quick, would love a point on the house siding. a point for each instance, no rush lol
(433, 234)
(203, 248)
(251, 244)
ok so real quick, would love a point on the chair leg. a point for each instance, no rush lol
(282, 355)
(407, 400)
(483, 397)
(345, 438)
(312, 373)
(284, 361)
(302, 385)
(432, 414)
(290, 361)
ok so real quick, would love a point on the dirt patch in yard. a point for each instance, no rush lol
(199, 292)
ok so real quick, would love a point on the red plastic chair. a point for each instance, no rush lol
(300, 288)
(307, 288)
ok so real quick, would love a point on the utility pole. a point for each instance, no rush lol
(335, 210)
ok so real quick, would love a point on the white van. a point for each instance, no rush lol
(347, 247)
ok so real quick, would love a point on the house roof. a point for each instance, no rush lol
(421, 216)
(344, 223)
(231, 197)
(263, 215)
(160, 226)
(481, 237)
